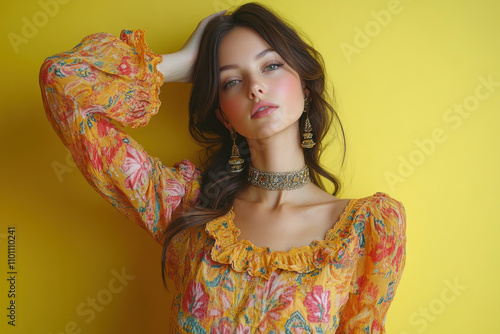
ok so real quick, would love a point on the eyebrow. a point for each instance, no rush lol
(257, 57)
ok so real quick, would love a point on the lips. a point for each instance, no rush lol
(262, 106)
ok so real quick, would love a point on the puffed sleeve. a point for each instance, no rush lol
(87, 93)
(381, 232)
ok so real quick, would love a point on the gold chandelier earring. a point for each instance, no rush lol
(236, 160)
(307, 142)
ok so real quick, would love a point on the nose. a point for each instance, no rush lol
(256, 88)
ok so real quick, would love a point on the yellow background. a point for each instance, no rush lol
(394, 91)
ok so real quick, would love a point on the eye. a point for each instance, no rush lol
(229, 84)
(273, 66)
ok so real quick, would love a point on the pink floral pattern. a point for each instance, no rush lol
(343, 284)
(397, 260)
(195, 300)
(318, 304)
(94, 155)
(243, 329)
(387, 244)
(124, 68)
(136, 168)
(175, 191)
(273, 298)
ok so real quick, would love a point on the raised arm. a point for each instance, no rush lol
(105, 81)
(178, 66)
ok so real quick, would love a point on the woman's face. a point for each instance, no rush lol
(260, 95)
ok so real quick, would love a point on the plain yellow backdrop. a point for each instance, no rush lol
(417, 86)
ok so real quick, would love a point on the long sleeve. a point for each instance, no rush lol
(87, 92)
(381, 231)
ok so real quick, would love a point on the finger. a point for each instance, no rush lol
(222, 12)
(196, 35)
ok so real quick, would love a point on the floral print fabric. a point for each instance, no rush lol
(342, 284)
(85, 91)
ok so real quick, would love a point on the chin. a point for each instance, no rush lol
(270, 131)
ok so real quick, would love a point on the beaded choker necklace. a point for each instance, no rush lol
(278, 180)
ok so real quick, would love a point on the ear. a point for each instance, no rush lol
(222, 118)
(306, 91)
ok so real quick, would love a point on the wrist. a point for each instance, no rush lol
(176, 67)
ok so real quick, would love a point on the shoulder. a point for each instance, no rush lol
(382, 205)
(380, 216)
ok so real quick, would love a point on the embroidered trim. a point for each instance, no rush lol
(243, 255)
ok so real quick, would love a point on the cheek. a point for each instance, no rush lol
(289, 87)
(231, 106)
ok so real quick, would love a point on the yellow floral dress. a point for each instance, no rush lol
(342, 284)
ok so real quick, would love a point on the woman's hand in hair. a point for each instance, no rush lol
(178, 66)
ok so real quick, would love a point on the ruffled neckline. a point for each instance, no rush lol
(244, 256)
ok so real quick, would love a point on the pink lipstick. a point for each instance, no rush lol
(263, 109)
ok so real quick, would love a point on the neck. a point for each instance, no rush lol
(280, 153)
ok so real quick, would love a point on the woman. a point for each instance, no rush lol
(254, 243)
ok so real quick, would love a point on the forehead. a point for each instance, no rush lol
(240, 44)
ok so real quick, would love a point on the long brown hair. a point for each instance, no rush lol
(219, 186)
